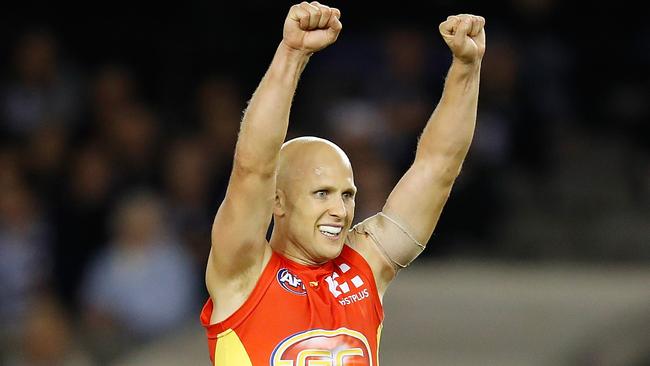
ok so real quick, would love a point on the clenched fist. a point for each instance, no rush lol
(310, 27)
(465, 36)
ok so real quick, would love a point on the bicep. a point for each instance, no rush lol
(240, 225)
(419, 197)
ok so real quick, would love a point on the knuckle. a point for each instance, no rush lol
(305, 5)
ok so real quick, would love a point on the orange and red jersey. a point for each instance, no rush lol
(301, 315)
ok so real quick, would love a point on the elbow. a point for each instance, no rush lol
(440, 169)
(447, 159)
(451, 173)
(447, 174)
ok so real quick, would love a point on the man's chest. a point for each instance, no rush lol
(318, 316)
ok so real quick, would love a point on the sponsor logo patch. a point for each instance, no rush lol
(346, 292)
(290, 282)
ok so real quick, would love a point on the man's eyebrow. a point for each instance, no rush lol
(323, 187)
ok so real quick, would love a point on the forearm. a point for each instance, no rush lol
(265, 122)
(448, 133)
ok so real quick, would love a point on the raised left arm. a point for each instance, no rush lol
(418, 199)
(414, 206)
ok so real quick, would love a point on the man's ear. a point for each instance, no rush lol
(279, 207)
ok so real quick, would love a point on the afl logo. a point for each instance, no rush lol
(340, 347)
(290, 282)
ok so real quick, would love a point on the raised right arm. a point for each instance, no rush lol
(240, 225)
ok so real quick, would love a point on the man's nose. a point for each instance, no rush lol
(338, 208)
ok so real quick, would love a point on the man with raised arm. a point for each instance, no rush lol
(312, 294)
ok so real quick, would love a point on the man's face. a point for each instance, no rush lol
(319, 205)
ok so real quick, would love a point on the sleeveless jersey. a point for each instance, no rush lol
(300, 315)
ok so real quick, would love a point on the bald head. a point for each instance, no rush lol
(314, 190)
(309, 157)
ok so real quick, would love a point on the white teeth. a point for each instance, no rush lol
(330, 229)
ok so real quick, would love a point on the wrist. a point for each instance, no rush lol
(466, 65)
(464, 68)
(288, 64)
(293, 52)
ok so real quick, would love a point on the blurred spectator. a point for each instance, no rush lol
(132, 138)
(218, 111)
(25, 258)
(403, 89)
(499, 110)
(188, 176)
(358, 124)
(43, 159)
(219, 106)
(81, 211)
(113, 88)
(374, 180)
(140, 286)
(43, 89)
(11, 173)
(47, 338)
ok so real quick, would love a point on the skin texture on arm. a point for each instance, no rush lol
(239, 248)
(417, 200)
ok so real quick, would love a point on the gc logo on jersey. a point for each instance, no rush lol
(319, 347)
(290, 282)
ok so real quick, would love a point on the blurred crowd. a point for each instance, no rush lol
(107, 192)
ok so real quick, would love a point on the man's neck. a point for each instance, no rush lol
(284, 246)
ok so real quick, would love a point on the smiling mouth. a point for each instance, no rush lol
(332, 232)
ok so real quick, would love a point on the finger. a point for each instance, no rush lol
(300, 15)
(326, 13)
(476, 26)
(336, 13)
(481, 21)
(335, 24)
(293, 13)
(314, 14)
(448, 27)
(462, 30)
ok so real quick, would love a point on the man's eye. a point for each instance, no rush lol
(347, 195)
(321, 194)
